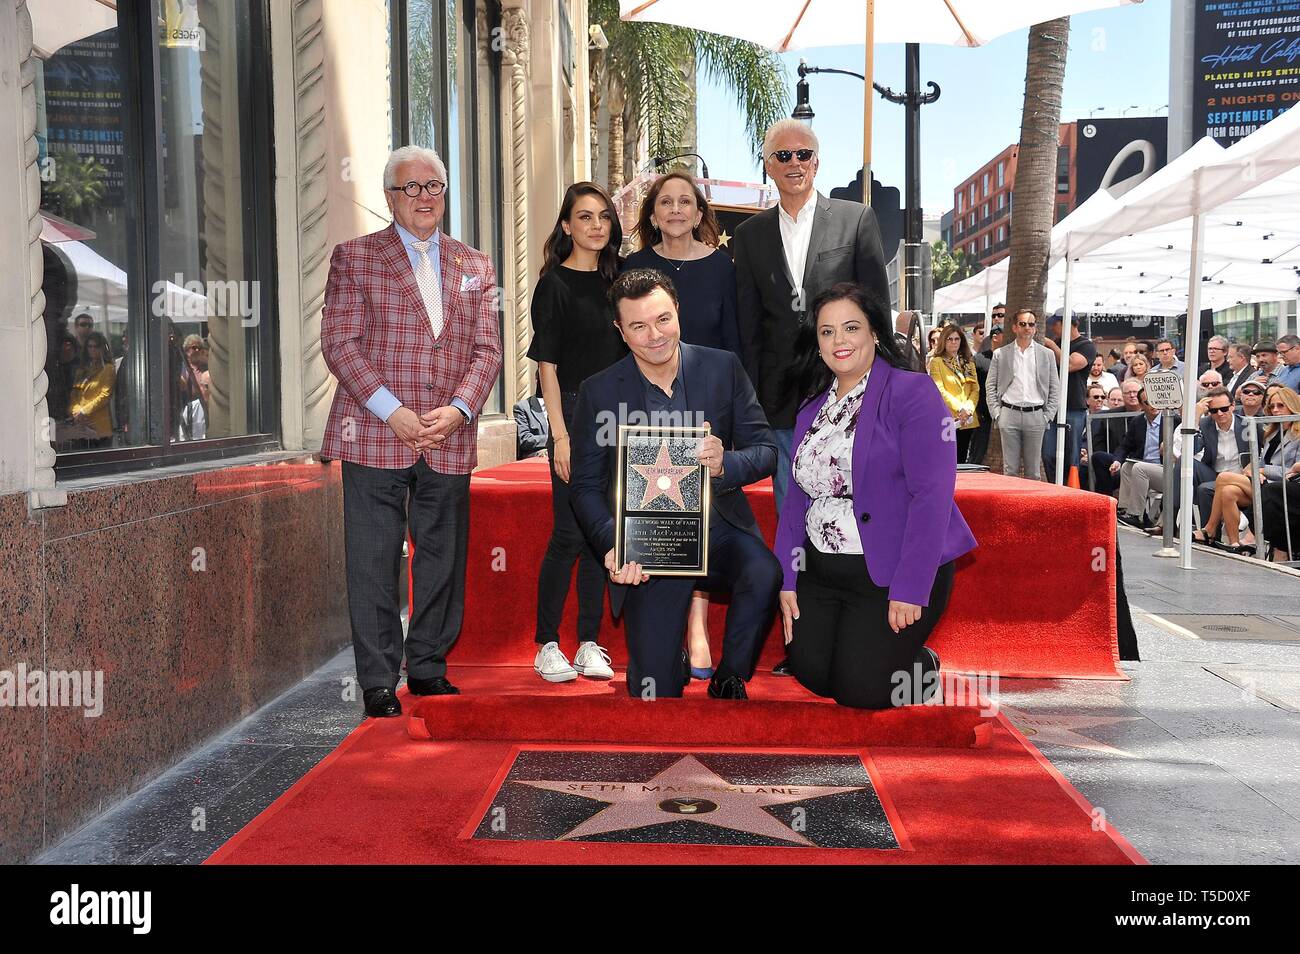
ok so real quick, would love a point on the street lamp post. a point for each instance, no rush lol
(912, 99)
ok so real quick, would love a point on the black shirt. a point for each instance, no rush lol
(573, 325)
(1077, 398)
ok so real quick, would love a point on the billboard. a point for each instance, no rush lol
(1246, 67)
(1117, 154)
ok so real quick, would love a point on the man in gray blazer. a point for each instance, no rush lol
(785, 257)
(1024, 390)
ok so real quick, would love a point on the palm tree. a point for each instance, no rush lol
(949, 265)
(1031, 215)
(641, 78)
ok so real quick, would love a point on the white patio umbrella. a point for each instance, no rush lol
(783, 25)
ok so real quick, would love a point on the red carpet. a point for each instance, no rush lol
(1035, 599)
(384, 798)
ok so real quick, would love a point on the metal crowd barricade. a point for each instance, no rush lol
(1088, 418)
(1257, 498)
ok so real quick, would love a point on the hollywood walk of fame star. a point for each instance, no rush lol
(693, 788)
(1061, 729)
(663, 478)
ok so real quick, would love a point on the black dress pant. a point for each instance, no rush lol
(1104, 482)
(375, 522)
(568, 544)
(979, 443)
(842, 646)
(655, 613)
(964, 439)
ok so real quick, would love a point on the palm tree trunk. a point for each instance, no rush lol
(616, 105)
(596, 81)
(1035, 188)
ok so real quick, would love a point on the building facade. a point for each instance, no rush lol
(981, 212)
(185, 168)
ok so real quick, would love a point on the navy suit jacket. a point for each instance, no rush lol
(717, 391)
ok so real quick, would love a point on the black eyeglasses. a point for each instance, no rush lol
(1255, 391)
(784, 155)
(413, 189)
(1219, 410)
(1026, 324)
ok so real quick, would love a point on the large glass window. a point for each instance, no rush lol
(453, 106)
(153, 130)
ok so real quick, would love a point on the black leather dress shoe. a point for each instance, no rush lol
(437, 686)
(782, 668)
(381, 703)
(732, 687)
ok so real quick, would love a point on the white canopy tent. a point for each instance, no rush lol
(102, 290)
(1229, 216)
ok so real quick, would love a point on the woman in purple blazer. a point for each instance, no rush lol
(869, 530)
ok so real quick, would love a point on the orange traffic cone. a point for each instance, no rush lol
(1072, 478)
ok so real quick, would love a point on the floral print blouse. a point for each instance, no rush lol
(823, 468)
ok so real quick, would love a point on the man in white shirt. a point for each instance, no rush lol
(1023, 394)
(785, 257)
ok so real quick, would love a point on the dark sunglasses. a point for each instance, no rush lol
(1219, 410)
(1027, 324)
(1255, 391)
(784, 155)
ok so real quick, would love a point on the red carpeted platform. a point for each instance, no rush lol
(1035, 599)
(383, 797)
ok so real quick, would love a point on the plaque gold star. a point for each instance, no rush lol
(687, 789)
(663, 478)
(723, 239)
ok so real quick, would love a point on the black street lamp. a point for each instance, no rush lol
(912, 99)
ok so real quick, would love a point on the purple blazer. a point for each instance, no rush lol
(904, 476)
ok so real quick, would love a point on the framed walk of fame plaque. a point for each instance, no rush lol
(661, 499)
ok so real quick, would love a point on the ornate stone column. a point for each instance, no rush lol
(25, 437)
(514, 66)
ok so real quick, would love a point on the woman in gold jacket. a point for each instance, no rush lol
(92, 390)
(953, 368)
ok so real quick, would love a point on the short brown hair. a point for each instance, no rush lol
(637, 283)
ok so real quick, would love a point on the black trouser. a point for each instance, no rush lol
(1104, 482)
(979, 444)
(375, 521)
(567, 544)
(964, 438)
(655, 613)
(842, 645)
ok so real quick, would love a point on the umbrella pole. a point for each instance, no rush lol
(869, 70)
(1067, 316)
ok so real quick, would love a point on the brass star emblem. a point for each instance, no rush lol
(723, 239)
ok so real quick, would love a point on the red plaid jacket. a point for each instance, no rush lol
(375, 331)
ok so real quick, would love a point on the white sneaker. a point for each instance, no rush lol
(552, 665)
(592, 661)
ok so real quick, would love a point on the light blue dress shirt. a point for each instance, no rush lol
(1151, 449)
(384, 402)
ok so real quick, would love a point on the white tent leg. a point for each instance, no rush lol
(1066, 318)
(1190, 342)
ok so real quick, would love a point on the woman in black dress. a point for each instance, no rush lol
(677, 234)
(573, 337)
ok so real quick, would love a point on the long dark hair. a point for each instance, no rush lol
(559, 246)
(940, 350)
(809, 374)
(647, 235)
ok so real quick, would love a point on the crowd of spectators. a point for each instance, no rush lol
(1106, 398)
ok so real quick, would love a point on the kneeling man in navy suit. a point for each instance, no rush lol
(664, 379)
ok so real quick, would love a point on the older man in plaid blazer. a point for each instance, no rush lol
(410, 331)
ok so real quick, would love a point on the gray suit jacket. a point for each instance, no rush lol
(844, 247)
(1002, 370)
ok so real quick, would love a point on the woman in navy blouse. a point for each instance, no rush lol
(677, 234)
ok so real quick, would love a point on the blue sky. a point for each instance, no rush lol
(1118, 59)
